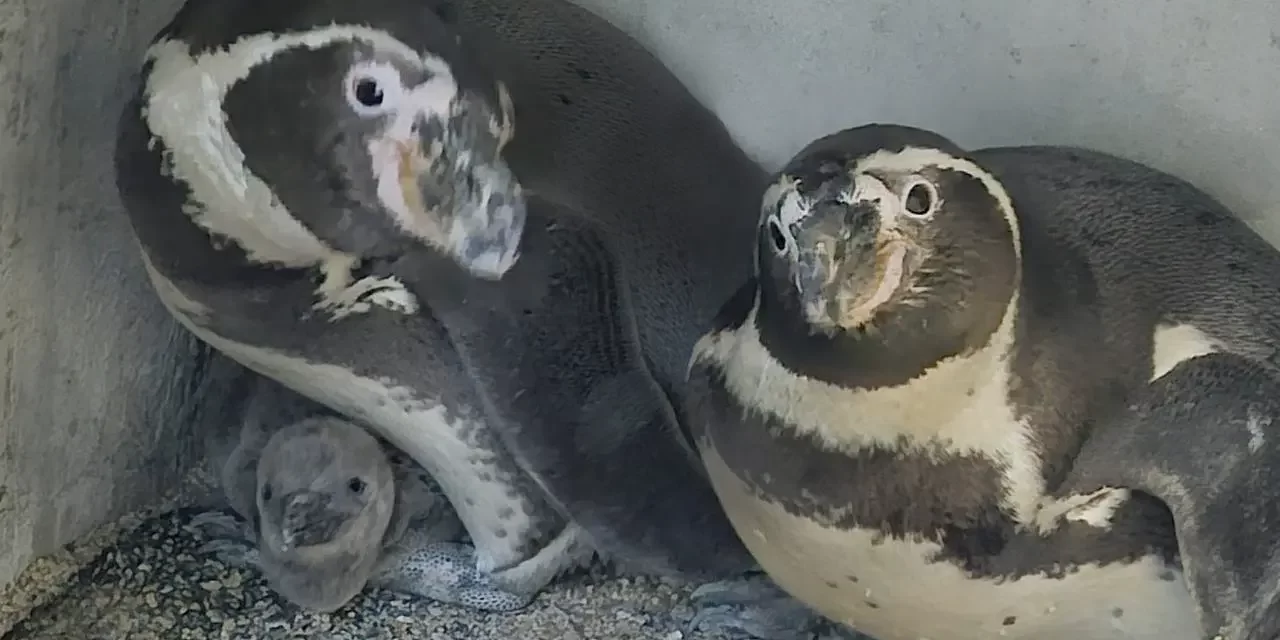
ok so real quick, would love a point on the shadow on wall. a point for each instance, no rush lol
(100, 391)
(96, 409)
(1177, 84)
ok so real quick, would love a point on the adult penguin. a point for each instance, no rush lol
(290, 167)
(1021, 392)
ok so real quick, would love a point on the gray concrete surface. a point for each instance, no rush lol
(92, 418)
(1189, 86)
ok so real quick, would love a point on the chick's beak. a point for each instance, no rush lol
(307, 520)
(453, 171)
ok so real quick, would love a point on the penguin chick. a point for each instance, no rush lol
(999, 393)
(420, 543)
(325, 496)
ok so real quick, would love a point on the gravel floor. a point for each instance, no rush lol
(150, 584)
(141, 579)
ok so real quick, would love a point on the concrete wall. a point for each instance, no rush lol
(1189, 86)
(89, 410)
(93, 421)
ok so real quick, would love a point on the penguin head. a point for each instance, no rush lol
(366, 125)
(885, 228)
(325, 491)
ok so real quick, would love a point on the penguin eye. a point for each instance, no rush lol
(776, 235)
(356, 485)
(266, 493)
(368, 93)
(919, 199)
(373, 88)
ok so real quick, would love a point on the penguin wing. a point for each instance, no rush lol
(553, 350)
(240, 481)
(1205, 439)
(240, 470)
(420, 503)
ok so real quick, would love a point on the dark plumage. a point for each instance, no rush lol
(1016, 391)
(492, 231)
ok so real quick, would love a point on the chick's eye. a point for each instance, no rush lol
(919, 199)
(778, 238)
(368, 92)
(356, 485)
(266, 492)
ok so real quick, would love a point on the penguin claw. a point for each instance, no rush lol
(737, 623)
(228, 538)
(218, 525)
(231, 552)
(754, 608)
(746, 590)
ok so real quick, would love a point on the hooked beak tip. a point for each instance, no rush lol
(486, 232)
(480, 203)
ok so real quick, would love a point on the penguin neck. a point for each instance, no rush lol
(958, 405)
(919, 342)
(768, 374)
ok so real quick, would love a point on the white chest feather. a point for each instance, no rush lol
(891, 590)
(967, 411)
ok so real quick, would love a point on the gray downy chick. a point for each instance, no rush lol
(325, 498)
(286, 435)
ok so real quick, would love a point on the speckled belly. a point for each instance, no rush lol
(888, 589)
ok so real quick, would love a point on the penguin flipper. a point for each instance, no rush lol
(420, 502)
(553, 350)
(1205, 439)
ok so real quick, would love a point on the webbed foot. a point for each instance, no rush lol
(755, 608)
(422, 564)
(446, 572)
(231, 539)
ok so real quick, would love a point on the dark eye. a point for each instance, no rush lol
(368, 93)
(919, 199)
(266, 493)
(373, 88)
(356, 485)
(775, 235)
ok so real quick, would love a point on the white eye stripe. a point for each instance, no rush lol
(868, 188)
(923, 188)
(773, 195)
(777, 227)
(914, 159)
(794, 208)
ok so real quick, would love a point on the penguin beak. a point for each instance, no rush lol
(307, 520)
(845, 267)
(453, 171)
